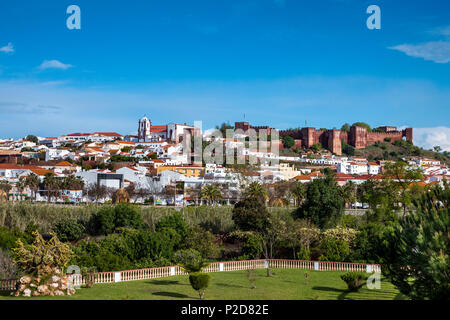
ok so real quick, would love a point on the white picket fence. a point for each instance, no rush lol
(161, 272)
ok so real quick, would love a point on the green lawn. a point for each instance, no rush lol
(285, 284)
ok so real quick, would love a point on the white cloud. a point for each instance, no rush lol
(9, 48)
(438, 51)
(430, 137)
(54, 64)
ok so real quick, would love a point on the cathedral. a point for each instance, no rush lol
(149, 133)
(173, 132)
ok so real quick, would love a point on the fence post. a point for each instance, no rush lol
(316, 266)
(221, 266)
(369, 268)
(266, 264)
(117, 277)
(172, 271)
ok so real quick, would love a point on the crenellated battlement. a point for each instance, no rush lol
(358, 137)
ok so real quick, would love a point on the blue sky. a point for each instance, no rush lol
(279, 62)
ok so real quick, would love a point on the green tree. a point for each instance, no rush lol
(345, 128)
(174, 221)
(199, 282)
(223, 128)
(203, 241)
(401, 176)
(348, 192)
(190, 260)
(288, 142)
(362, 124)
(32, 181)
(416, 258)
(317, 147)
(324, 204)
(31, 138)
(299, 193)
(52, 185)
(256, 190)
(251, 215)
(211, 192)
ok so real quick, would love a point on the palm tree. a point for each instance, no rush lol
(71, 182)
(256, 190)
(349, 192)
(32, 181)
(52, 184)
(299, 193)
(211, 193)
(21, 185)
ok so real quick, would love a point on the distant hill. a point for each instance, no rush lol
(397, 150)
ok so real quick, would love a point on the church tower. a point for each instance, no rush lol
(144, 132)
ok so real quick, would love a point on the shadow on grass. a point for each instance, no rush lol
(165, 282)
(170, 294)
(5, 293)
(343, 293)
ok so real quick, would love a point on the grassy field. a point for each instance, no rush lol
(285, 284)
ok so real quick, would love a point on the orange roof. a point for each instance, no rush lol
(41, 172)
(419, 183)
(302, 178)
(341, 175)
(158, 128)
(316, 174)
(63, 164)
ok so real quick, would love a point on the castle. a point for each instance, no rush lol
(358, 137)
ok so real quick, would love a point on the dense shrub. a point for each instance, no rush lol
(354, 280)
(368, 245)
(103, 221)
(174, 221)
(203, 241)
(127, 215)
(333, 250)
(8, 237)
(129, 249)
(68, 230)
(108, 218)
(199, 282)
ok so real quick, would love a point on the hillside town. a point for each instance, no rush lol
(154, 167)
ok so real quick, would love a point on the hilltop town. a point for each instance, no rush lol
(154, 167)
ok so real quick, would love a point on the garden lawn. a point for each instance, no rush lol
(284, 284)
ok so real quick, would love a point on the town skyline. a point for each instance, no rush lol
(278, 62)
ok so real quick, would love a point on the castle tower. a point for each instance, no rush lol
(144, 130)
(408, 134)
(358, 137)
(334, 141)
